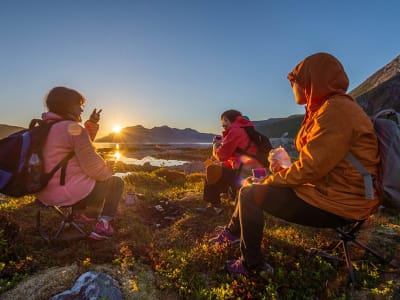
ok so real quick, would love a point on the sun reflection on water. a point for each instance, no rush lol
(117, 155)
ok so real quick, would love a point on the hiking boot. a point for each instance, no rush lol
(103, 230)
(237, 267)
(225, 237)
(83, 219)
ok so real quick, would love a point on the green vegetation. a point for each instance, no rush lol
(175, 252)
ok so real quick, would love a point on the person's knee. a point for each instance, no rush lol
(250, 195)
(117, 183)
(213, 174)
(245, 195)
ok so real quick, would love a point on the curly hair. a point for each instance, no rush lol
(60, 99)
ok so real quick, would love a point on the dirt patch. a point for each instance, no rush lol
(159, 214)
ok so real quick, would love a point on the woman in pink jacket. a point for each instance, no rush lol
(87, 180)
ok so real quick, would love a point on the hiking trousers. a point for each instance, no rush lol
(248, 217)
(105, 194)
(218, 180)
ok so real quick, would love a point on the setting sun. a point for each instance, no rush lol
(117, 128)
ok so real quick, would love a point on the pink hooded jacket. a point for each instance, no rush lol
(83, 169)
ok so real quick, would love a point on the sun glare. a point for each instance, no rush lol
(117, 155)
(117, 129)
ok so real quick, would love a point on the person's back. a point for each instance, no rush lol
(84, 168)
(339, 187)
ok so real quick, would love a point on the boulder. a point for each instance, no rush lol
(90, 286)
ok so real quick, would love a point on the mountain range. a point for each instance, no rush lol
(156, 135)
(379, 91)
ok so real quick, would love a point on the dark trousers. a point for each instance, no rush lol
(248, 218)
(105, 194)
(218, 180)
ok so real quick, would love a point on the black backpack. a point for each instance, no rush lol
(21, 161)
(263, 145)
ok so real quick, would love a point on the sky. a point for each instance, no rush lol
(181, 63)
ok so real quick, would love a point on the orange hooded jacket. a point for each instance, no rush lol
(334, 124)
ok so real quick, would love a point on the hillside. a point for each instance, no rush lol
(278, 127)
(161, 250)
(387, 72)
(385, 95)
(6, 130)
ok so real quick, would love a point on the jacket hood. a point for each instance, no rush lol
(239, 122)
(50, 116)
(321, 75)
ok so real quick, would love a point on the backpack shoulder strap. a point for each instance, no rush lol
(61, 165)
(368, 182)
(386, 113)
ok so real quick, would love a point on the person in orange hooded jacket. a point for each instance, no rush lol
(222, 173)
(322, 188)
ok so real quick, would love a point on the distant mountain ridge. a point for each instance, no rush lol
(164, 134)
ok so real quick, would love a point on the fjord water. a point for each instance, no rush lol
(140, 154)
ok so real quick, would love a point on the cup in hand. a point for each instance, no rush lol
(259, 173)
(217, 139)
(278, 159)
(130, 198)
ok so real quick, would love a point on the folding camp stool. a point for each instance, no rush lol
(347, 234)
(65, 213)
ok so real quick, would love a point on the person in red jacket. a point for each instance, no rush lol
(227, 161)
(88, 181)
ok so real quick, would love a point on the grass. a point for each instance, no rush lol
(157, 258)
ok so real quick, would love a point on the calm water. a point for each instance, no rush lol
(157, 162)
(148, 146)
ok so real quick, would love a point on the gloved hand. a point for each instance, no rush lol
(95, 116)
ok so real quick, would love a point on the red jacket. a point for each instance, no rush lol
(236, 137)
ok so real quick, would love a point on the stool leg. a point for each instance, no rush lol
(62, 225)
(77, 227)
(348, 262)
